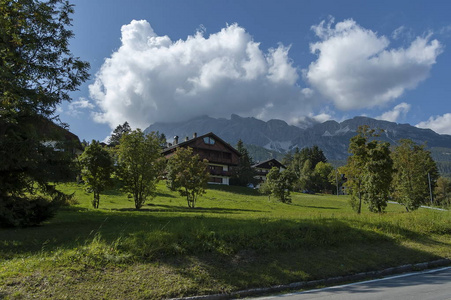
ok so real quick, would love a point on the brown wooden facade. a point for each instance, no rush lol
(220, 155)
(262, 169)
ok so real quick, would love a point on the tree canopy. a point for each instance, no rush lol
(243, 174)
(368, 171)
(279, 184)
(118, 132)
(415, 169)
(37, 72)
(188, 174)
(139, 165)
(97, 166)
(302, 164)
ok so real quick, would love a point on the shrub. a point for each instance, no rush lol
(22, 212)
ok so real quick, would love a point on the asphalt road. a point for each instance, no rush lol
(425, 285)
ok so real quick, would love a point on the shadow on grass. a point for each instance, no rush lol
(316, 207)
(185, 209)
(202, 233)
(234, 189)
(161, 194)
(113, 192)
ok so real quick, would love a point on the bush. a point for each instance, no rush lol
(22, 212)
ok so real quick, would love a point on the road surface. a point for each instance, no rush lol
(424, 285)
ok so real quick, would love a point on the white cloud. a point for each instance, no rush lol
(312, 119)
(393, 115)
(397, 33)
(356, 68)
(151, 78)
(440, 124)
(75, 107)
(322, 117)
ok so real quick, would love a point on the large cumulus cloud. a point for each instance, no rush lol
(355, 68)
(151, 78)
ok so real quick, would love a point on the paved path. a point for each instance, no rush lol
(424, 285)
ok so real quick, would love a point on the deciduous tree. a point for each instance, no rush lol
(321, 174)
(139, 165)
(279, 184)
(443, 191)
(368, 171)
(414, 167)
(302, 164)
(97, 166)
(188, 174)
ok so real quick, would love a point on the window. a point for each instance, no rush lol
(215, 179)
(216, 168)
(209, 141)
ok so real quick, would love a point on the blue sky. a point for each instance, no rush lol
(292, 60)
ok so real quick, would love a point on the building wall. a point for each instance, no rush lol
(219, 157)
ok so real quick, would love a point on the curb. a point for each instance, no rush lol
(328, 281)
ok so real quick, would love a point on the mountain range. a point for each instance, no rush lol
(276, 137)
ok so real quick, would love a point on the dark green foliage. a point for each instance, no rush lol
(22, 212)
(321, 174)
(378, 176)
(97, 166)
(187, 174)
(117, 134)
(37, 72)
(443, 192)
(413, 165)
(368, 171)
(302, 164)
(243, 174)
(280, 184)
(139, 165)
(162, 139)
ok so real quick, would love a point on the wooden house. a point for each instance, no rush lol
(262, 169)
(220, 155)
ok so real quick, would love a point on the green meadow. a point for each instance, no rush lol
(235, 239)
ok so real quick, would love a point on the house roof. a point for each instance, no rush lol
(210, 134)
(268, 164)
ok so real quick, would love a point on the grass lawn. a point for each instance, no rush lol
(235, 239)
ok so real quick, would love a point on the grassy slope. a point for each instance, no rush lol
(236, 239)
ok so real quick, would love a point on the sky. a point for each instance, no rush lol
(298, 61)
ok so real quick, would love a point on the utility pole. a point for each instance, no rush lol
(430, 188)
(336, 178)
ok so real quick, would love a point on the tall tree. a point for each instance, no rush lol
(378, 176)
(443, 191)
(97, 166)
(321, 175)
(139, 165)
(37, 72)
(118, 132)
(188, 174)
(298, 162)
(243, 174)
(415, 169)
(368, 171)
(306, 181)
